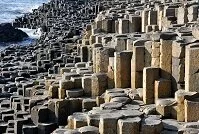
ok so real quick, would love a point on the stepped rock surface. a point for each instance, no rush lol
(104, 67)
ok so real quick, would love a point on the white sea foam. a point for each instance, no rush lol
(32, 33)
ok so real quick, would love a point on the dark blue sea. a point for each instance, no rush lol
(11, 9)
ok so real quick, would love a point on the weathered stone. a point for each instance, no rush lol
(123, 26)
(147, 53)
(99, 84)
(122, 60)
(177, 112)
(93, 119)
(123, 100)
(111, 105)
(178, 49)
(145, 14)
(171, 124)
(178, 73)
(191, 125)
(162, 88)
(109, 96)
(75, 105)
(137, 65)
(99, 100)
(108, 123)
(134, 24)
(129, 125)
(132, 107)
(60, 131)
(120, 43)
(18, 125)
(46, 128)
(53, 91)
(151, 125)
(188, 131)
(39, 114)
(130, 113)
(149, 76)
(87, 85)
(80, 121)
(191, 108)
(3, 127)
(63, 86)
(74, 93)
(72, 132)
(155, 54)
(166, 58)
(89, 130)
(163, 106)
(77, 82)
(59, 111)
(181, 95)
(152, 18)
(110, 74)
(102, 59)
(182, 15)
(191, 69)
(107, 25)
(84, 53)
(88, 104)
(136, 94)
(30, 129)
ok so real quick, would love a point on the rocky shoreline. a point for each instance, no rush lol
(10, 34)
(104, 67)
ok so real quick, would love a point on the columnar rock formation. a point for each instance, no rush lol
(104, 67)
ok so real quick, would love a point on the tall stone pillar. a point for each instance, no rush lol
(84, 53)
(137, 65)
(150, 74)
(122, 69)
(94, 50)
(144, 19)
(178, 65)
(123, 26)
(192, 68)
(182, 15)
(107, 25)
(155, 54)
(110, 74)
(99, 84)
(166, 58)
(192, 13)
(153, 16)
(102, 59)
(148, 53)
(134, 24)
(121, 43)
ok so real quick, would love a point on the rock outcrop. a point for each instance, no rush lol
(10, 34)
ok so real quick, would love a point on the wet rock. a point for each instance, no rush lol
(10, 34)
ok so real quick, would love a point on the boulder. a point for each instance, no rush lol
(10, 34)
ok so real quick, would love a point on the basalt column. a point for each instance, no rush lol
(122, 68)
(137, 65)
(192, 68)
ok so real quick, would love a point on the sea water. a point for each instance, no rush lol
(11, 9)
